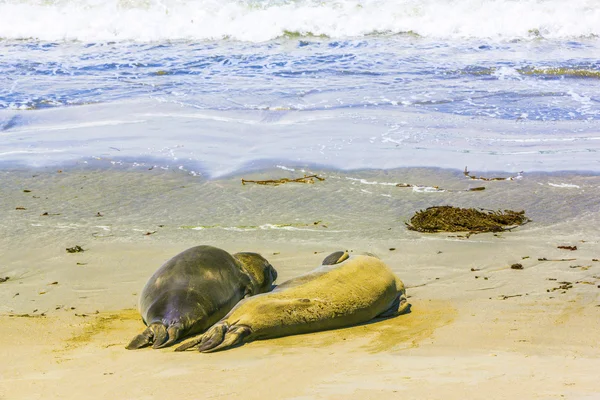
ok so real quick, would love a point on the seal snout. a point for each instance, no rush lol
(404, 306)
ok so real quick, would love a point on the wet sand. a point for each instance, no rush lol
(478, 328)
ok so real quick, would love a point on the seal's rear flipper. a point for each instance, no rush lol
(221, 337)
(155, 333)
(173, 334)
(142, 340)
(189, 345)
(335, 258)
(160, 334)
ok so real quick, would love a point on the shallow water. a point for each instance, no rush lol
(124, 204)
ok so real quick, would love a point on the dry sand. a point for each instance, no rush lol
(465, 338)
(478, 328)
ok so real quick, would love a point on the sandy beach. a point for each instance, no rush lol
(131, 131)
(478, 328)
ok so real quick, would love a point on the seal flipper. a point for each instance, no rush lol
(222, 336)
(190, 344)
(160, 334)
(155, 333)
(173, 334)
(213, 337)
(142, 340)
(335, 258)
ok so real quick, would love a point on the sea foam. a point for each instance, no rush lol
(257, 21)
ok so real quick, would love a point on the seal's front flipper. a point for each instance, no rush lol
(221, 337)
(335, 258)
(155, 333)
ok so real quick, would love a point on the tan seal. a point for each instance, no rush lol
(354, 290)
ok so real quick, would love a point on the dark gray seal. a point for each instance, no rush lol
(344, 291)
(195, 289)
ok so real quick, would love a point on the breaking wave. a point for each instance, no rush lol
(263, 20)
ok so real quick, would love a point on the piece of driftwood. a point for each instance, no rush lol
(276, 182)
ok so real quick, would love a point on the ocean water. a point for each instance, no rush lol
(215, 88)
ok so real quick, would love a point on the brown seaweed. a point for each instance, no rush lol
(310, 179)
(75, 249)
(564, 286)
(504, 297)
(455, 219)
(572, 248)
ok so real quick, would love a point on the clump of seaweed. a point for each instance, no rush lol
(75, 249)
(276, 182)
(455, 219)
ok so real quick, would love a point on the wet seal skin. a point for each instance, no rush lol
(195, 289)
(344, 291)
